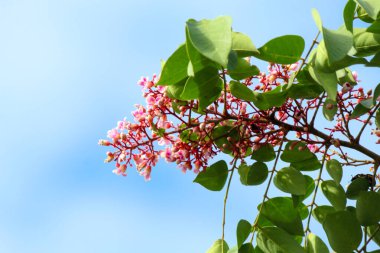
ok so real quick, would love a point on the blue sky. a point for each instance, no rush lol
(68, 73)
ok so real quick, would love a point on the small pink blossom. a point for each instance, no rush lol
(293, 67)
(113, 134)
(355, 76)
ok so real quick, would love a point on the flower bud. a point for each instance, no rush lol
(109, 158)
(291, 147)
(335, 142)
(329, 106)
(123, 136)
(346, 88)
(104, 143)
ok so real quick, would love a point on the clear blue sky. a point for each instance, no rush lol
(68, 72)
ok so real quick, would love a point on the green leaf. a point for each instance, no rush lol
(175, 68)
(217, 247)
(205, 86)
(335, 170)
(329, 109)
(197, 61)
(275, 240)
(220, 135)
(323, 63)
(374, 232)
(366, 43)
(362, 108)
(315, 244)
(375, 61)
(343, 231)
(175, 90)
(356, 186)
(327, 80)
(368, 208)
(188, 136)
(232, 60)
(233, 250)
(372, 7)
(348, 14)
(291, 181)
(286, 49)
(305, 91)
(310, 186)
(345, 76)
(258, 250)
(265, 153)
(212, 38)
(247, 248)
(214, 177)
(243, 70)
(304, 77)
(270, 99)
(374, 27)
(255, 174)
(264, 222)
(317, 19)
(191, 90)
(377, 118)
(242, 232)
(337, 42)
(303, 210)
(243, 45)
(363, 15)
(296, 151)
(310, 164)
(306, 87)
(376, 94)
(280, 212)
(334, 193)
(291, 80)
(351, 209)
(241, 91)
(320, 212)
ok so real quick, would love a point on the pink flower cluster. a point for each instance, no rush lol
(186, 137)
(171, 129)
(135, 141)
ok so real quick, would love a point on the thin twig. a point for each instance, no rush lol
(369, 239)
(357, 139)
(255, 223)
(225, 201)
(315, 193)
(316, 110)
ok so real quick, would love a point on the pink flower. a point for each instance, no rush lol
(182, 155)
(146, 173)
(113, 134)
(121, 125)
(140, 113)
(120, 169)
(313, 148)
(355, 76)
(293, 67)
(146, 83)
(151, 100)
(164, 141)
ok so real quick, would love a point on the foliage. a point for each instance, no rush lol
(210, 98)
